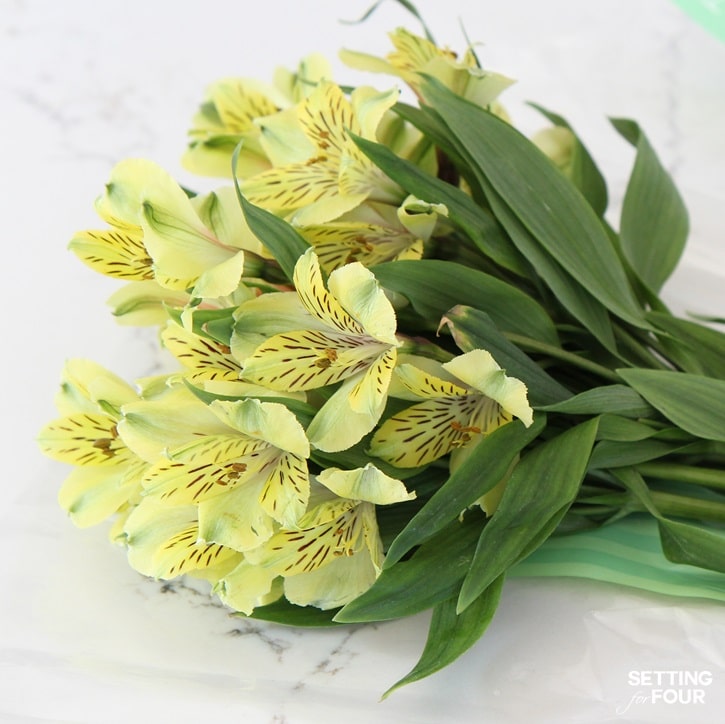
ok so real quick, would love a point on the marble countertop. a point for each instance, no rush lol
(83, 638)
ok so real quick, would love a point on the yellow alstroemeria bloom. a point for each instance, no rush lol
(163, 542)
(415, 57)
(245, 470)
(159, 233)
(322, 337)
(375, 233)
(108, 474)
(228, 114)
(319, 172)
(472, 397)
(333, 556)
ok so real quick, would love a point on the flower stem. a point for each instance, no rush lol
(534, 345)
(708, 477)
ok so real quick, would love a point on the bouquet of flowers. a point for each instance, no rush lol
(411, 349)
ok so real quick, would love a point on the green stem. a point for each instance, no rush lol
(708, 477)
(640, 349)
(534, 345)
(679, 506)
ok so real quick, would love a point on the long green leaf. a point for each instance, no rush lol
(693, 545)
(486, 466)
(704, 346)
(681, 542)
(614, 399)
(473, 329)
(477, 223)
(654, 225)
(433, 574)
(286, 245)
(693, 402)
(609, 454)
(540, 489)
(288, 614)
(547, 203)
(585, 174)
(573, 297)
(451, 634)
(434, 286)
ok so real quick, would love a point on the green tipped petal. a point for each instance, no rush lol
(163, 541)
(92, 494)
(268, 421)
(368, 484)
(359, 293)
(479, 370)
(334, 584)
(247, 586)
(235, 519)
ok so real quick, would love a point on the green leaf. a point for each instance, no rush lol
(615, 399)
(693, 402)
(704, 346)
(654, 224)
(547, 203)
(681, 542)
(286, 245)
(434, 286)
(585, 174)
(611, 454)
(622, 429)
(286, 613)
(572, 296)
(541, 488)
(474, 329)
(477, 223)
(433, 574)
(451, 634)
(485, 468)
(693, 545)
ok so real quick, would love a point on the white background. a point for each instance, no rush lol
(82, 637)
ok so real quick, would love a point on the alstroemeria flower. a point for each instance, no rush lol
(227, 117)
(163, 542)
(323, 337)
(415, 57)
(108, 474)
(319, 172)
(244, 474)
(472, 397)
(375, 233)
(159, 232)
(333, 556)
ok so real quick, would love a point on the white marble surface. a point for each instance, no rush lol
(85, 639)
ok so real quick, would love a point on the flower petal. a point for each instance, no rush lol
(425, 432)
(286, 490)
(163, 541)
(115, 252)
(290, 552)
(235, 519)
(92, 494)
(270, 422)
(206, 358)
(368, 484)
(84, 438)
(359, 294)
(337, 426)
(307, 360)
(334, 584)
(247, 586)
(317, 300)
(478, 369)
